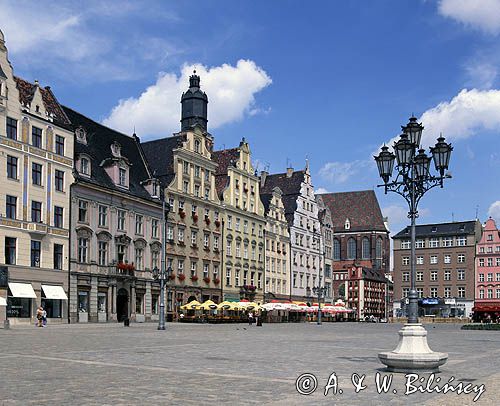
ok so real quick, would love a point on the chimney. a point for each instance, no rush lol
(263, 176)
(289, 172)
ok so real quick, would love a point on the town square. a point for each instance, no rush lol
(266, 202)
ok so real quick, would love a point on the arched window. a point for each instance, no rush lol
(351, 248)
(365, 248)
(336, 249)
(197, 146)
(378, 252)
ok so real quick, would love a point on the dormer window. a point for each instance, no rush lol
(347, 224)
(85, 166)
(122, 177)
(197, 146)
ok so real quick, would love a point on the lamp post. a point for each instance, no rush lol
(412, 180)
(163, 273)
(320, 292)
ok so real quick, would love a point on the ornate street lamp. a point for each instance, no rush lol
(413, 180)
(320, 292)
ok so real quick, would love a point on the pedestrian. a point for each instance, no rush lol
(44, 317)
(250, 318)
(39, 315)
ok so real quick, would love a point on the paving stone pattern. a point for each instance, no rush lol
(227, 364)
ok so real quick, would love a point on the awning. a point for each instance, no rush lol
(486, 307)
(24, 290)
(3, 302)
(54, 292)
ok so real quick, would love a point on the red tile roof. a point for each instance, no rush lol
(360, 207)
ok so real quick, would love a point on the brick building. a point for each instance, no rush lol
(444, 266)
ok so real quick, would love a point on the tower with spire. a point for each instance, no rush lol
(194, 103)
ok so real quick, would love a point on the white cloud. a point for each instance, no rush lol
(341, 172)
(480, 14)
(494, 211)
(231, 91)
(395, 214)
(321, 190)
(71, 37)
(481, 75)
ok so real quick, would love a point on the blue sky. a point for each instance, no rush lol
(328, 80)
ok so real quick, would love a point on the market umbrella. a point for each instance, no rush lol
(193, 305)
(208, 305)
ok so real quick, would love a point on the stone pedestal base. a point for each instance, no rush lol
(413, 353)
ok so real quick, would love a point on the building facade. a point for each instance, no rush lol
(367, 292)
(301, 212)
(445, 255)
(36, 144)
(244, 224)
(360, 236)
(277, 242)
(326, 225)
(487, 303)
(184, 165)
(115, 227)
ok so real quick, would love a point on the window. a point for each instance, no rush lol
(461, 291)
(490, 237)
(447, 291)
(420, 243)
(420, 260)
(434, 276)
(103, 253)
(121, 219)
(237, 278)
(462, 241)
(420, 292)
(85, 166)
(205, 271)
(58, 217)
(420, 276)
(481, 277)
(490, 293)
(197, 171)
(197, 190)
(11, 207)
(139, 258)
(447, 275)
(139, 224)
(36, 174)
(238, 249)
(36, 211)
(406, 260)
(10, 251)
(228, 276)
(11, 128)
(11, 167)
(405, 244)
(447, 242)
(481, 261)
(120, 252)
(36, 137)
(336, 249)
(180, 266)
(194, 238)
(498, 294)
(154, 229)
(185, 186)
(197, 145)
(447, 259)
(59, 180)
(365, 248)
(434, 292)
(180, 235)
(433, 259)
(490, 261)
(228, 247)
(35, 253)
(206, 240)
(103, 216)
(122, 177)
(433, 242)
(406, 276)
(461, 258)
(216, 242)
(83, 249)
(245, 251)
(193, 268)
(59, 145)
(82, 211)
(216, 272)
(351, 248)
(237, 225)
(498, 277)
(245, 226)
(58, 256)
(155, 259)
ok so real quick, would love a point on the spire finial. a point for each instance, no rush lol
(194, 80)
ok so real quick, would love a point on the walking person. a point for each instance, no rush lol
(250, 318)
(39, 316)
(44, 317)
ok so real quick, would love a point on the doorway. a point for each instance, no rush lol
(122, 305)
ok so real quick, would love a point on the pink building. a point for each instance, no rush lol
(487, 303)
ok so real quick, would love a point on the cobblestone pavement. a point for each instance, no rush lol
(228, 364)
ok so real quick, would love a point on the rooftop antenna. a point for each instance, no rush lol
(288, 162)
(477, 210)
(266, 168)
(452, 217)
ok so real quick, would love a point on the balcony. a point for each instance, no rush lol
(123, 269)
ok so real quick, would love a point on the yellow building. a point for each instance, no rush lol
(36, 157)
(243, 224)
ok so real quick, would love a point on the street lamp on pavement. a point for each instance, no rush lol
(413, 180)
(320, 292)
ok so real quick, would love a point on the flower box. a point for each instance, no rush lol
(206, 279)
(171, 277)
(194, 278)
(207, 220)
(182, 214)
(181, 277)
(195, 217)
(217, 223)
(216, 281)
